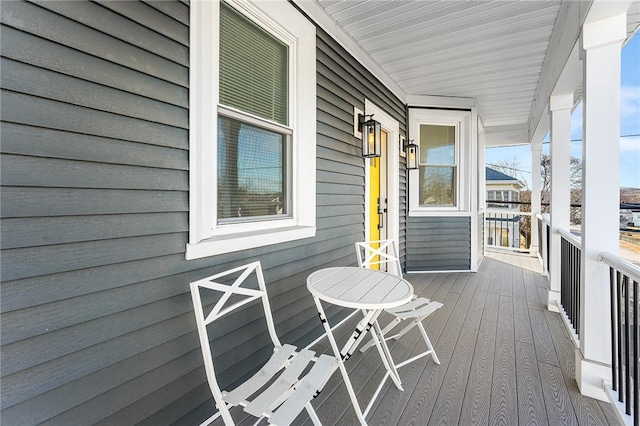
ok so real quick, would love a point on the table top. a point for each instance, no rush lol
(359, 288)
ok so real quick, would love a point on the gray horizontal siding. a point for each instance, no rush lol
(438, 243)
(24, 78)
(41, 142)
(97, 322)
(33, 50)
(52, 114)
(106, 45)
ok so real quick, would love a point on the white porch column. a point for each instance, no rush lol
(602, 43)
(560, 110)
(536, 180)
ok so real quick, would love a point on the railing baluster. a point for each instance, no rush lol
(563, 291)
(614, 330)
(636, 401)
(624, 280)
(572, 294)
(620, 365)
(495, 229)
(570, 268)
(548, 248)
(570, 282)
(570, 285)
(627, 369)
(576, 275)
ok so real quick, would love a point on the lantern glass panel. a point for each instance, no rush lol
(371, 135)
(412, 156)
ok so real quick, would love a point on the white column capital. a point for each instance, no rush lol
(610, 30)
(560, 102)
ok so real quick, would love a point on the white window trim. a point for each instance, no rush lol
(206, 237)
(462, 120)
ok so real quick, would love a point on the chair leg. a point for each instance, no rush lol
(428, 342)
(385, 330)
(312, 414)
(405, 329)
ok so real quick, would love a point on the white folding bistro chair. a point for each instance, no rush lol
(279, 390)
(378, 255)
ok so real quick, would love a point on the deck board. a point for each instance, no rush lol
(448, 403)
(505, 359)
(504, 401)
(477, 398)
(429, 386)
(531, 408)
(588, 410)
(556, 396)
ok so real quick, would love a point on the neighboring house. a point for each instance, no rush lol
(502, 223)
(146, 145)
(629, 215)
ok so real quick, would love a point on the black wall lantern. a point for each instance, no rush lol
(413, 153)
(371, 135)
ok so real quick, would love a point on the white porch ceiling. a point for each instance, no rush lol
(491, 51)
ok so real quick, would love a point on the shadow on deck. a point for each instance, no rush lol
(504, 358)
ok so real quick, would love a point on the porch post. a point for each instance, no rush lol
(560, 110)
(602, 44)
(536, 178)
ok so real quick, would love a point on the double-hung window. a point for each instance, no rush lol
(252, 126)
(438, 166)
(442, 184)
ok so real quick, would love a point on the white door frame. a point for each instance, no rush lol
(392, 127)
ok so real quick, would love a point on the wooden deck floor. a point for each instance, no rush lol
(504, 359)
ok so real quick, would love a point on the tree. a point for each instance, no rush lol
(575, 187)
(514, 169)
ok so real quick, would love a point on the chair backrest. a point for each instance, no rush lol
(241, 297)
(380, 252)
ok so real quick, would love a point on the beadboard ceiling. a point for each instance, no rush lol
(491, 51)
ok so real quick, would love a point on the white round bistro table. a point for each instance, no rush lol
(371, 292)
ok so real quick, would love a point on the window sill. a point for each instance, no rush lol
(246, 240)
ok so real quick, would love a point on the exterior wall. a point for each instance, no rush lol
(97, 319)
(440, 238)
(438, 244)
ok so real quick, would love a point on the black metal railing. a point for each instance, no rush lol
(544, 236)
(548, 247)
(570, 280)
(625, 345)
(508, 225)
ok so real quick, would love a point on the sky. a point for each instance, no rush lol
(629, 126)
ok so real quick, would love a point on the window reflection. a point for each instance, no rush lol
(251, 171)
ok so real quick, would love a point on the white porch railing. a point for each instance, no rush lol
(508, 230)
(625, 346)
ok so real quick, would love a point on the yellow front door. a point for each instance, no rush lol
(377, 196)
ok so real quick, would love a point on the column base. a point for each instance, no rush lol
(553, 301)
(590, 376)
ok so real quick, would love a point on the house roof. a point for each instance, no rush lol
(503, 57)
(492, 174)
